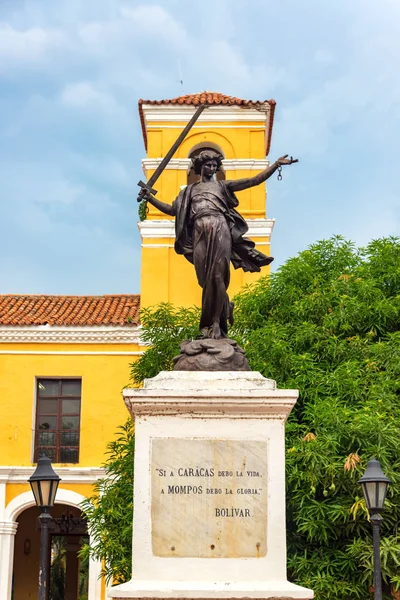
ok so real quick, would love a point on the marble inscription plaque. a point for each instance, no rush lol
(208, 498)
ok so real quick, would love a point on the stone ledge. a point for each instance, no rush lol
(256, 590)
(237, 394)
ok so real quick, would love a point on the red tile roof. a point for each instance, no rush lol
(69, 310)
(214, 98)
(209, 98)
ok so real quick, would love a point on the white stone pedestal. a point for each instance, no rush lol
(209, 499)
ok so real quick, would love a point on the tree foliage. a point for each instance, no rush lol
(326, 323)
(163, 328)
(109, 510)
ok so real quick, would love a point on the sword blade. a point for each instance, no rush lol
(151, 181)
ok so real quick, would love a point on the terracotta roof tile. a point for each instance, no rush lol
(122, 309)
(213, 98)
(208, 98)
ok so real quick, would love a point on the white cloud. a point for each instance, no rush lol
(28, 46)
(152, 20)
(84, 94)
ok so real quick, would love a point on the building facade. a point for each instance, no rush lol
(63, 363)
(65, 359)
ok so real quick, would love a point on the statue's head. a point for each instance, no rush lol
(204, 157)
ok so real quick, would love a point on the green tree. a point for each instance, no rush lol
(109, 510)
(164, 328)
(327, 323)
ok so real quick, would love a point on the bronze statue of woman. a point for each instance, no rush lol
(209, 233)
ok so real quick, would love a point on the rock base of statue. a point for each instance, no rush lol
(211, 355)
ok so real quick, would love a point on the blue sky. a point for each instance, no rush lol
(72, 71)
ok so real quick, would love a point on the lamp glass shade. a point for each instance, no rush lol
(44, 483)
(36, 492)
(375, 485)
(382, 491)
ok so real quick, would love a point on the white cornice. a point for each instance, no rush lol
(245, 164)
(68, 474)
(183, 164)
(260, 228)
(165, 113)
(56, 334)
(177, 164)
(218, 394)
(165, 228)
(250, 405)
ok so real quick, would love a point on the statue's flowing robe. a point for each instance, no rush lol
(210, 243)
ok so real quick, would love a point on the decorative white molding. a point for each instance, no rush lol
(57, 334)
(278, 405)
(7, 539)
(260, 228)
(26, 500)
(217, 394)
(245, 164)
(2, 498)
(7, 528)
(179, 164)
(229, 164)
(168, 113)
(68, 474)
(165, 228)
(205, 127)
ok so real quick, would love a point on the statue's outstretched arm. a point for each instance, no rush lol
(237, 185)
(168, 209)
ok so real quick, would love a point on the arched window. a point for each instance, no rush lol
(192, 177)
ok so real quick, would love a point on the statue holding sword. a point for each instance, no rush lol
(209, 231)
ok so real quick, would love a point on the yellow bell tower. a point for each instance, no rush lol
(241, 131)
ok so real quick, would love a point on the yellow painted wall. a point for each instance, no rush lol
(165, 276)
(102, 410)
(103, 375)
(15, 489)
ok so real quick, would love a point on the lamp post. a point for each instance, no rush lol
(375, 485)
(44, 483)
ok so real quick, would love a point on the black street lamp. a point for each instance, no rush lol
(44, 483)
(375, 485)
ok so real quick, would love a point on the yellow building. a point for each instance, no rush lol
(241, 131)
(63, 363)
(65, 359)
